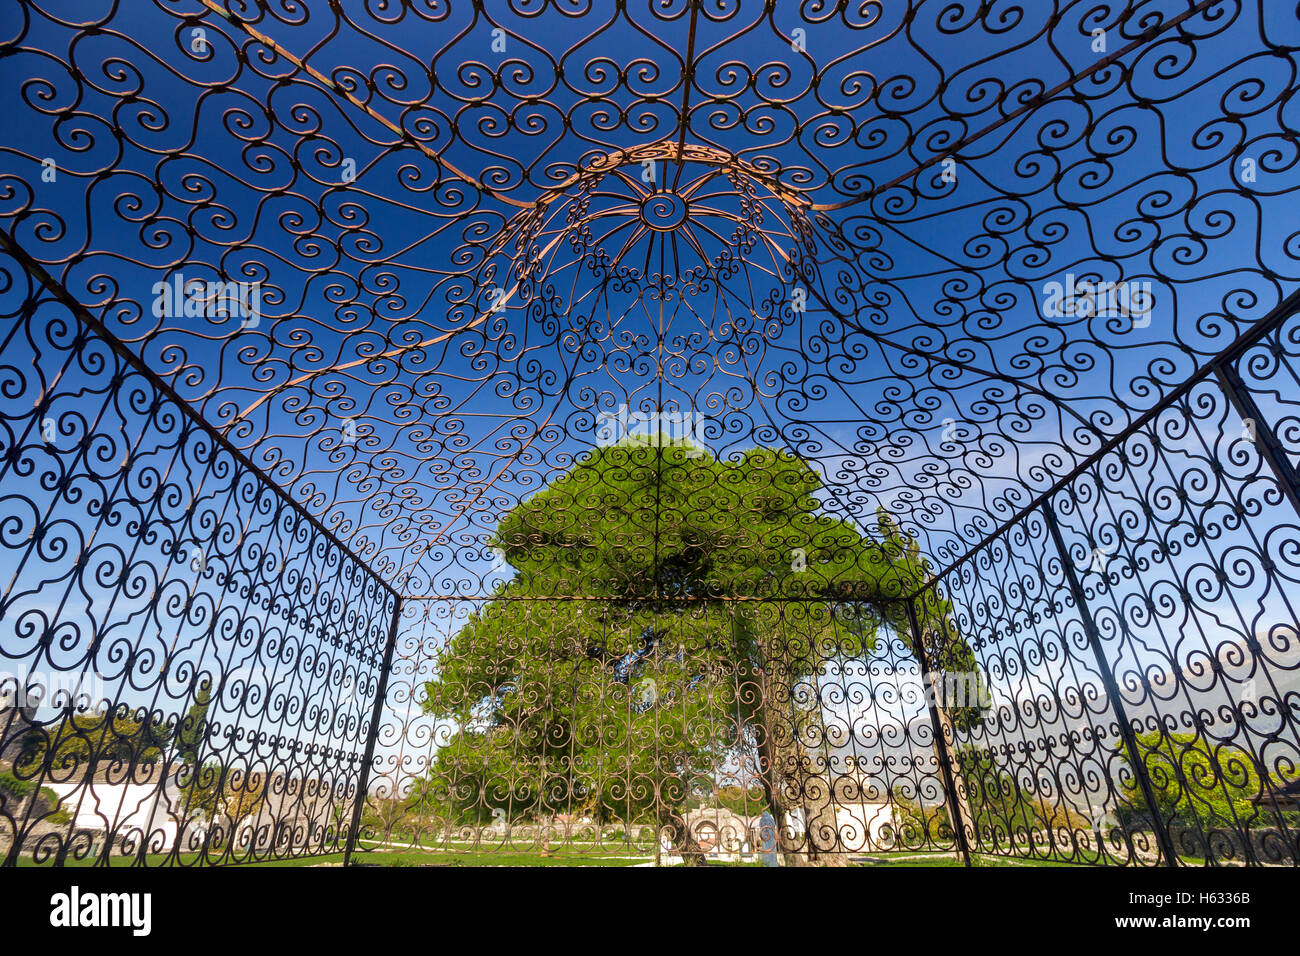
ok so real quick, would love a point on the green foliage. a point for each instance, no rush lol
(660, 526)
(57, 814)
(744, 802)
(1001, 803)
(1194, 784)
(100, 737)
(998, 801)
(951, 657)
(193, 729)
(14, 786)
(625, 702)
(212, 790)
(389, 817)
(17, 789)
(919, 824)
(201, 790)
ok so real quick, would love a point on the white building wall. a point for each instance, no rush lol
(120, 808)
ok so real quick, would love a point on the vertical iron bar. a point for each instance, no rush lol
(945, 759)
(1165, 842)
(1271, 451)
(381, 692)
(1266, 443)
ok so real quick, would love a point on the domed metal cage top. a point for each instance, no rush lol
(877, 344)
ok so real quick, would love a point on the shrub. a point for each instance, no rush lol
(14, 786)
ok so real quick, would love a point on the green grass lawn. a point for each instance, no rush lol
(571, 857)
(492, 858)
(562, 856)
(943, 859)
(463, 855)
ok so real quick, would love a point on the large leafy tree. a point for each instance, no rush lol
(1198, 785)
(215, 790)
(669, 614)
(119, 735)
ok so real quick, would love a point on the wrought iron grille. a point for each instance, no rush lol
(810, 433)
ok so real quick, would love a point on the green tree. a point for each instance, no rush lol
(14, 791)
(743, 801)
(104, 736)
(1001, 804)
(1194, 785)
(193, 729)
(214, 790)
(668, 612)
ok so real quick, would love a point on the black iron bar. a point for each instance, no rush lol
(1112, 690)
(381, 695)
(944, 755)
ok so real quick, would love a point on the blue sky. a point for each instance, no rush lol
(167, 161)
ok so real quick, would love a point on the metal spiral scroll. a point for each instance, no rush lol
(270, 572)
(664, 212)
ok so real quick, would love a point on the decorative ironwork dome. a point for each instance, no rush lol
(876, 344)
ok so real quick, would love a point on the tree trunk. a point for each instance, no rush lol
(684, 842)
(773, 754)
(769, 773)
(945, 748)
(786, 770)
(817, 783)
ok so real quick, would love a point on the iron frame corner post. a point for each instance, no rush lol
(941, 739)
(1266, 443)
(381, 694)
(1271, 453)
(1163, 839)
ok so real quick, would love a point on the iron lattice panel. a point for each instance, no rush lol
(190, 664)
(1009, 286)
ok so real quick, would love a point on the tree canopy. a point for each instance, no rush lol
(667, 619)
(117, 735)
(1196, 784)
